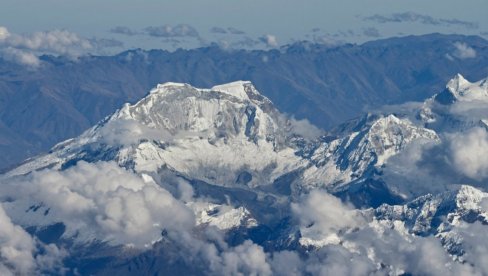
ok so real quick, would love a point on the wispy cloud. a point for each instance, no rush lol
(270, 40)
(180, 30)
(371, 32)
(340, 37)
(124, 31)
(218, 30)
(324, 219)
(21, 56)
(102, 43)
(420, 18)
(25, 48)
(229, 30)
(469, 153)
(4, 33)
(327, 39)
(245, 42)
(464, 51)
(235, 31)
(56, 41)
(128, 207)
(20, 254)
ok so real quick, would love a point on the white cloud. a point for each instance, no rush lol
(57, 42)
(245, 259)
(286, 263)
(20, 254)
(421, 18)
(432, 167)
(474, 245)
(470, 111)
(371, 32)
(129, 132)
(322, 215)
(107, 203)
(235, 31)
(363, 243)
(245, 42)
(464, 51)
(270, 40)
(484, 205)
(123, 31)
(21, 56)
(337, 260)
(469, 153)
(103, 201)
(327, 40)
(415, 255)
(180, 30)
(305, 128)
(215, 257)
(25, 48)
(218, 30)
(16, 246)
(4, 33)
(420, 168)
(114, 204)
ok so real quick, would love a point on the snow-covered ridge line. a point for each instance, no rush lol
(460, 89)
(236, 88)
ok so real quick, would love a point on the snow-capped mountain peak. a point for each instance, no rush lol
(460, 89)
(238, 89)
(460, 106)
(212, 135)
(457, 83)
(373, 140)
(243, 90)
(175, 107)
(468, 197)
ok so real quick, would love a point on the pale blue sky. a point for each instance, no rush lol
(342, 20)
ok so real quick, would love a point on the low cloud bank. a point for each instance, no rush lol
(25, 49)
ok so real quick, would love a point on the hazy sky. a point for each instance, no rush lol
(252, 23)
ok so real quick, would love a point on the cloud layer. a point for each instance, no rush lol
(464, 51)
(25, 48)
(103, 202)
(180, 30)
(20, 254)
(469, 153)
(420, 18)
(108, 203)
(362, 243)
(269, 40)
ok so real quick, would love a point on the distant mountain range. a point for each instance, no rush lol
(327, 86)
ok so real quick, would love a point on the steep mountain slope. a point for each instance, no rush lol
(325, 85)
